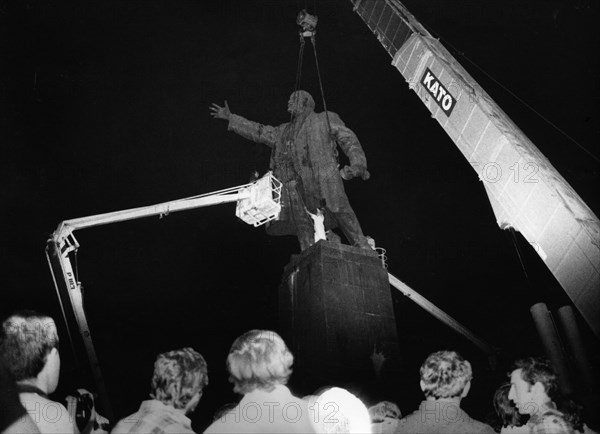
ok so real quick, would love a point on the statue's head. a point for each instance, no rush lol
(300, 102)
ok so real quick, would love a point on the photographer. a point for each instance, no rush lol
(29, 347)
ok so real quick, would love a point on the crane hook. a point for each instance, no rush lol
(307, 22)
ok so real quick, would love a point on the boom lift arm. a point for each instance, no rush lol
(257, 203)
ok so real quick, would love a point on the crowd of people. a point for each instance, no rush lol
(260, 364)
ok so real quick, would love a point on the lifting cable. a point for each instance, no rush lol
(299, 68)
(308, 24)
(314, 45)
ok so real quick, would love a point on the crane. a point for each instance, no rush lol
(542, 205)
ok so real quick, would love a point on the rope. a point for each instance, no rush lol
(291, 132)
(314, 45)
(298, 70)
(299, 77)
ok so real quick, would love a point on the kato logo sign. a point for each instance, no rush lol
(437, 90)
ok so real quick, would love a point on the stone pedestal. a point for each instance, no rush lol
(336, 314)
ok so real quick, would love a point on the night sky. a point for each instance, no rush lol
(105, 107)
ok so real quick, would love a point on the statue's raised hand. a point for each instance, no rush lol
(219, 112)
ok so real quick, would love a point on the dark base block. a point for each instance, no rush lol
(336, 314)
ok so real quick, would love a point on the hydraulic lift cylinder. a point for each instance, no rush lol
(552, 345)
(570, 329)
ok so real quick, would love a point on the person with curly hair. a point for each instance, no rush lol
(176, 388)
(445, 381)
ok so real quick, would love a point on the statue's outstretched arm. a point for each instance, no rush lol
(248, 129)
(254, 131)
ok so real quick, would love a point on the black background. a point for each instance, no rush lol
(105, 107)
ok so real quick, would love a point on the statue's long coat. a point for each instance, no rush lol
(313, 156)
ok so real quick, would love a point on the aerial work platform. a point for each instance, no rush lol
(257, 203)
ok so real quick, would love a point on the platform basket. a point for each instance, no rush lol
(263, 203)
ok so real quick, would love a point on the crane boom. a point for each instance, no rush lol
(548, 212)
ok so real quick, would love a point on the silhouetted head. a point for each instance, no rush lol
(179, 377)
(445, 374)
(384, 410)
(259, 359)
(29, 346)
(336, 410)
(505, 409)
(533, 384)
